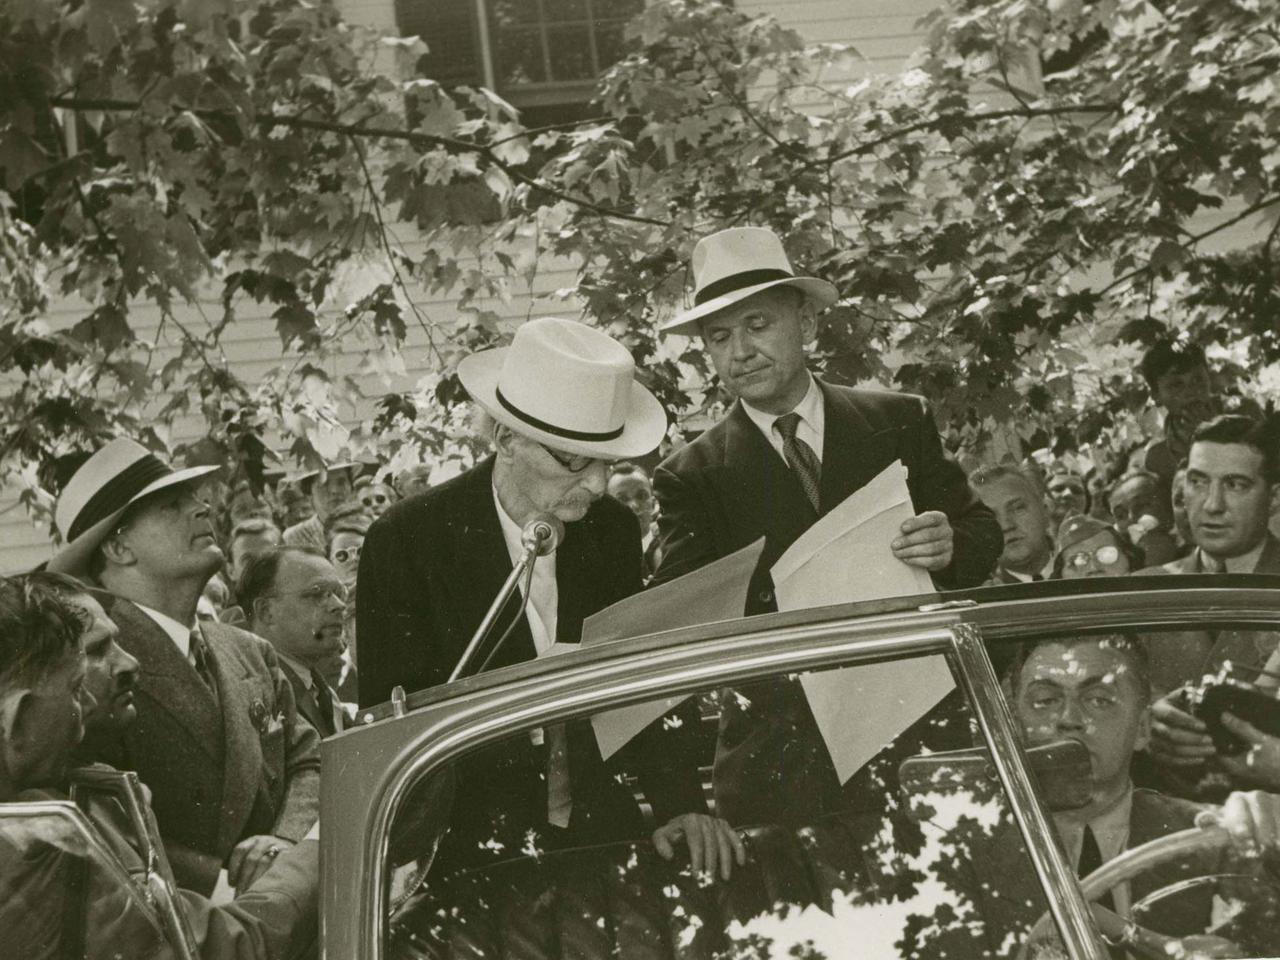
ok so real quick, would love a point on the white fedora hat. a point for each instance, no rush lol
(569, 386)
(119, 474)
(734, 264)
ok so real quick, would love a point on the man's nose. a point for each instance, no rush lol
(1214, 500)
(596, 477)
(1070, 717)
(742, 344)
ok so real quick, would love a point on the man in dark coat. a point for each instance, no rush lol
(791, 449)
(234, 772)
(562, 401)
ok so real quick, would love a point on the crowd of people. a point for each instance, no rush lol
(207, 632)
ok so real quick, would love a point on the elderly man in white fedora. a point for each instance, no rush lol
(233, 770)
(791, 448)
(560, 404)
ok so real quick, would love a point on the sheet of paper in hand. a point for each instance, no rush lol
(709, 594)
(845, 557)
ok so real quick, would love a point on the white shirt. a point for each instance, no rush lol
(298, 667)
(1111, 830)
(180, 635)
(813, 420)
(544, 602)
(1045, 574)
(1245, 563)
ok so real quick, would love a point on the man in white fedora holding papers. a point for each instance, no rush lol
(560, 403)
(791, 449)
(234, 772)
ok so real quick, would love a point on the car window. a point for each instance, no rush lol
(1148, 706)
(915, 854)
(64, 892)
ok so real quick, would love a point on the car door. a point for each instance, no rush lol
(417, 862)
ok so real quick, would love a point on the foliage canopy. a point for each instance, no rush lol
(1007, 219)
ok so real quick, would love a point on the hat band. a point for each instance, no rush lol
(551, 427)
(736, 281)
(116, 493)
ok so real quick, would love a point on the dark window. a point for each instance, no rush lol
(546, 53)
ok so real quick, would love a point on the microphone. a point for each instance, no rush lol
(542, 534)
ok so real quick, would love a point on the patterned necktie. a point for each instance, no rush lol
(1091, 860)
(800, 457)
(324, 700)
(559, 799)
(200, 660)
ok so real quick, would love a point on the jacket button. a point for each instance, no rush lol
(765, 596)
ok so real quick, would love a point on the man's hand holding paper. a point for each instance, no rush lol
(927, 541)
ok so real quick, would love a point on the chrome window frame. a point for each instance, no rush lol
(393, 751)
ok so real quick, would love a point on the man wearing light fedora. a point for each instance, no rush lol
(233, 770)
(791, 448)
(561, 402)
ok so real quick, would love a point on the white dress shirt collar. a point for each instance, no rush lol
(1244, 563)
(813, 418)
(180, 635)
(298, 667)
(544, 600)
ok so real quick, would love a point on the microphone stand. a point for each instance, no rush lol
(523, 567)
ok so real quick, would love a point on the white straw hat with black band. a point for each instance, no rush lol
(569, 386)
(92, 502)
(736, 263)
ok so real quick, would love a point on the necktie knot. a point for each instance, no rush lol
(787, 425)
(800, 457)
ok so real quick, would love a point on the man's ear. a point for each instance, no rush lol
(14, 713)
(116, 551)
(808, 320)
(261, 611)
(1275, 499)
(504, 441)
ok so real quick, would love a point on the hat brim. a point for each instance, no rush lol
(645, 427)
(821, 293)
(73, 558)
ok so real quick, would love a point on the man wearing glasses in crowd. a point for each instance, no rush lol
(559, 405)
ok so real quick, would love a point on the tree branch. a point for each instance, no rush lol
(1204, 235)
(359, 130)
(972, 118)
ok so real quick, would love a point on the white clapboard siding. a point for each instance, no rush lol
(883, 31)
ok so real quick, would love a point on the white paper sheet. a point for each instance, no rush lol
(709, 594)
(845, 557)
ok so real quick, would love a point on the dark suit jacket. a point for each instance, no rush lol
(1001, 880)
(730, 487)
(219, 769)
(275, 919)
(429, 568)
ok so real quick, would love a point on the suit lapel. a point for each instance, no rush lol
(853, 452)
(242, 707)
(576, 559)
(485, 564)
(167, 679)
(757, 483)
(305, 700)
(1269, 559)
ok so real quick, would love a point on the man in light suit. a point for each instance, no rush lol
(1232, 487)
(233, 770)
(560, 403)
(296, 601)
(791, 449)
(58, 658)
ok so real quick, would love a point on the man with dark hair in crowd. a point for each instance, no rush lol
(327, 489)
(1142, 508)
(1065, 495)
(790, 450)
(560, 403)
(234, 772)
(1021, 511)
(255, 535)
(48, 682)
(1232, 485)
(296, 601)
(631, 487)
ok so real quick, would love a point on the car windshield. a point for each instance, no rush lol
(869, 806)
